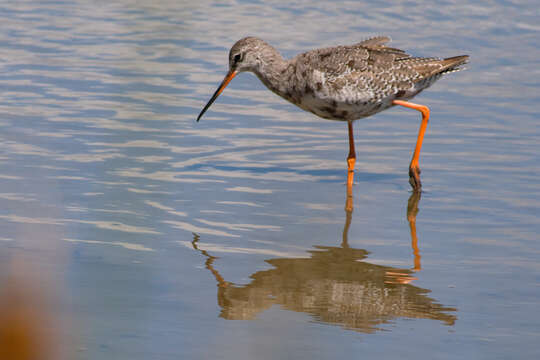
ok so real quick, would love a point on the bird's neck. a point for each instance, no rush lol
(273, 71)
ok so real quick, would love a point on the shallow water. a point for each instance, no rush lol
(156, 237)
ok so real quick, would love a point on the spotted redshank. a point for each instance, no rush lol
(344, 83)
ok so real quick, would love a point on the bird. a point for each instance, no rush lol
(345, 82)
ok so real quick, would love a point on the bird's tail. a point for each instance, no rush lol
(453, 64)
(429, 68)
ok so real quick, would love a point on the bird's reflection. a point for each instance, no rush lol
(335, 285)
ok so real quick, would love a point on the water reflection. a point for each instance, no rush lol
(335, 285)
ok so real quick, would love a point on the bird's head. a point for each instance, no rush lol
(247, 54)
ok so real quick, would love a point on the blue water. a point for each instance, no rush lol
(155, 237)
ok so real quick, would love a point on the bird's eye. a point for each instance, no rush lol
(237, 58)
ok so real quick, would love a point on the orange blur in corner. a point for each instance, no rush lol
(28, 329)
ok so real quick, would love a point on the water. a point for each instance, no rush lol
(156, 237)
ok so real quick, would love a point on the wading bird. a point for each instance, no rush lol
(344, 83)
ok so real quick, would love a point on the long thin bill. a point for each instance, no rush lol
(222, 86)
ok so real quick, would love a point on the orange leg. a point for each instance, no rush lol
(414, 168)
(351, 159)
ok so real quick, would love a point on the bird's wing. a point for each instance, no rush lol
(356, 73)
(376, 40)
(378, 43)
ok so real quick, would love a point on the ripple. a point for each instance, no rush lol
(197, 229)
(240, 227)
(248, 189)
(166, 208)
(125, 245)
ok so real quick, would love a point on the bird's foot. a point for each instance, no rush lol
(414, 178)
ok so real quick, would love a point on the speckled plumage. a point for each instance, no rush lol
(343, 82)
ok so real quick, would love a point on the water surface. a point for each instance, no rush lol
(157, 237)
